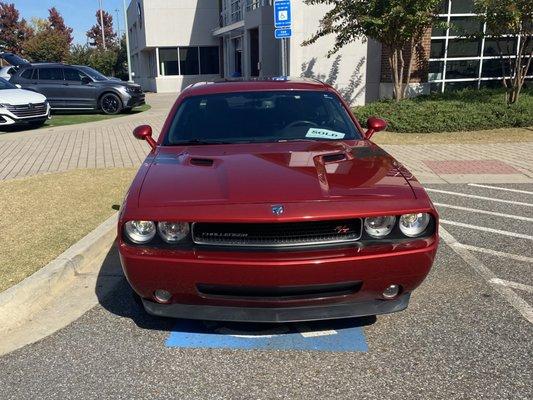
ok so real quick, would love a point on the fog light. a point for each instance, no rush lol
(162, 296)
(391, 292)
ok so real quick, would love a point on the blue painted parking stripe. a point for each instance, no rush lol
(335, 336)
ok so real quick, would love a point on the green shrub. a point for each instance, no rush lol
(465, 110)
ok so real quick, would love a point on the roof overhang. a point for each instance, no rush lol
(228, 28)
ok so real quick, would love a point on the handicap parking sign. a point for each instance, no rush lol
(282, 13)
(333, 336)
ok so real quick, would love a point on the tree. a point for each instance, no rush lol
(515, 18)
(110, 62)
(57, 23)
(80, 54)
(39, 25)
(103, 60)
(47, 46)
(95, 33)
(397, 24)
(14, 31)
(121, 66)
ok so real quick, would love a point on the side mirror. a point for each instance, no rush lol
(144, 132)
(85, 80)
(18, 86)
(375, 125)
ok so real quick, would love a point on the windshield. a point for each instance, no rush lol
(271, 116)
(97, 76)
(6, 85)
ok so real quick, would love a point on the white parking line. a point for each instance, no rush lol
(512, 285)
(472, 196)
(496, 253)
(306, 332)
(485, 229)
(499, 188)
(309, 334)
(507, 293)
(478, 211)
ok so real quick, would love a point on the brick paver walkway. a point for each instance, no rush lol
(102, 144)
(110, 143)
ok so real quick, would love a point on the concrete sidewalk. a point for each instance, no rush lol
(110, 144)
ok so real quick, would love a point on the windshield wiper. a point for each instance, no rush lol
(199, 142)
(297, 140)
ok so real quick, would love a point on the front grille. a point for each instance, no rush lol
(275, 235)
(280, 293)
(28, 110)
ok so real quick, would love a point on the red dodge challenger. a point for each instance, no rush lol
(266, 201)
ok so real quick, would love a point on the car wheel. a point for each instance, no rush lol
(110, 104)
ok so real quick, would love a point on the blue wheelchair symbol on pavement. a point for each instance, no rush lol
(332, 336)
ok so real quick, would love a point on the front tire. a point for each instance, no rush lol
(110, 104)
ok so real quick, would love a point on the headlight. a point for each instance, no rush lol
(140, 232)
(173, 232)
(4, 105)
(379, 227)
(413, 225)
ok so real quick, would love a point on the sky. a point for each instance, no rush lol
(78, 14)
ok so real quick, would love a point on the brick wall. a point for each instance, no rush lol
(420, 61)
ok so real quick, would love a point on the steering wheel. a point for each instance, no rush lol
(301, 122)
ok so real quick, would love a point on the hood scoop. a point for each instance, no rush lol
(202, 162)
(330, 158)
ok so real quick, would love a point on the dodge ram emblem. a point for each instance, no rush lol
(278, 210)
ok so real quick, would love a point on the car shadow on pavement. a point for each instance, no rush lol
(18, 128)
(115, 295)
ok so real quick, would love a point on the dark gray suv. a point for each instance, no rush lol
(76, 87)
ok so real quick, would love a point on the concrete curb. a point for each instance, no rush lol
(20, 302)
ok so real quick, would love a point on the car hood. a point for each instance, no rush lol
(18, 97)
(272, 173)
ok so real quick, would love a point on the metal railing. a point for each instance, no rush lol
(255, 4)
(233, 10)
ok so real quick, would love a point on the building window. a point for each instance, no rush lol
(458, 62)
(168, 61)
(209, 61)
(191, 60)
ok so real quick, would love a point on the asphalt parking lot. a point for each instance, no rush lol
(466, 335)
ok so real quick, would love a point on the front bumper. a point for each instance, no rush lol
(186, 274)
(8, 118)
(133, 100)
(274, 315)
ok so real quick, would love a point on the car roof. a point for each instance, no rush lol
(254, 84)
(47, 64)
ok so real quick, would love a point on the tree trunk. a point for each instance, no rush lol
(396, 65)
(518, 68)
(410, 66)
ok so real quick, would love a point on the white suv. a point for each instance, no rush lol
(18, 106)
